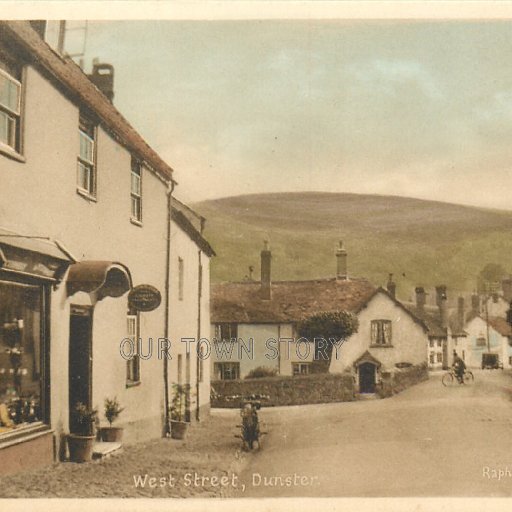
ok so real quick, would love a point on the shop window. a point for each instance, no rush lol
(439, 357)
(133, 364)
(431, 343)
(381, 332)
(301, 368)
(431, 358)
(136, 191)
(227, 371)
(86, 175)
(23, 378)
(439, 343)
(10, 106)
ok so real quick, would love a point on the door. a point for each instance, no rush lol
(80, 358)
(367, 378)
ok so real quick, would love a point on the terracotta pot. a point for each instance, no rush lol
(179, 429)
(111, 434)
(80, 448)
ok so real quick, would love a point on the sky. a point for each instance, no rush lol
(411, 108)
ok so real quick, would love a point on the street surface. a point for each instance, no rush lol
(426, 441)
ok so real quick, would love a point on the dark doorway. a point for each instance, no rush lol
(80, 358)
(367, 378)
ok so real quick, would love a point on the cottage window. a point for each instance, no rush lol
(301, 368)
(381, 332)
(86, 175)
(431, 343)
(439, 357)
(226, 332)
(10, 106)
(439, 343)
(481, 341)
(133, 364)
(136, 191)
(227, 371)
(431, 358)
(23, 356)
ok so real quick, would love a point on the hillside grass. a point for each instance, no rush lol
(421, 242)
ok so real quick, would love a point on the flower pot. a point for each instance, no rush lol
(111, 434)
(80, 448)
(179, 429)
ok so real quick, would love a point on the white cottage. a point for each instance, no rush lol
(266, 314)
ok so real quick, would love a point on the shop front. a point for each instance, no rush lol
(30, 267)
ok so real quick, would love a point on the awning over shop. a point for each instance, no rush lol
(105, 278)
(33, 255)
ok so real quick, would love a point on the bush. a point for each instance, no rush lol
(260, 372)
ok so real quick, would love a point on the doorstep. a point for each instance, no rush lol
(102, 450)
(366, 396)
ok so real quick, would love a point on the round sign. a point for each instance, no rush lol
(144, 298)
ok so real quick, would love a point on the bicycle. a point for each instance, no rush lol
(450, 378)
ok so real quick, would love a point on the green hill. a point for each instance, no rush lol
(421, 242)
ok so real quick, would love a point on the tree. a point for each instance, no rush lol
(489, 278)
(327, 329)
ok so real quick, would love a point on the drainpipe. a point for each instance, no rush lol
(199, 294)
(170, 190)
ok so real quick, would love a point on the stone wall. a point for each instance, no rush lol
(285, 390)
(401, 378)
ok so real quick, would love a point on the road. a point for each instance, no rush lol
(427, 441)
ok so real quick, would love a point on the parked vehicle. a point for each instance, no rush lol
(491, 362)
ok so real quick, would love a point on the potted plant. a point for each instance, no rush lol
(179, 423)
(83, 429)
(112, 434)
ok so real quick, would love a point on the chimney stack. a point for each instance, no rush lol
(266, 257)
(461, 314)
(391, 286)
(102, 77)
(421, 297)
(506, 286)
(475, 303)
(39, 26)
(442, 303)
(341, 259)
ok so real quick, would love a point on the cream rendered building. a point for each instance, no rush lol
(86, 214)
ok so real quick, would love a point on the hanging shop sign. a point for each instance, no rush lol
(144, 297)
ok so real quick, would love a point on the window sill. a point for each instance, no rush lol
(132, 384)
(381, 346)
(136, 222)
(23, 434)
(86, 195)
(11, 153)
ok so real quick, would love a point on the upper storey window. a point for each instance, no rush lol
(10, 106)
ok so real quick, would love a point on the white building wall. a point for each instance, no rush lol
(39, 198)
(408, 337)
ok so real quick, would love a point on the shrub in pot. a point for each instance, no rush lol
(112, 434)
(179, 406)
(83, 433)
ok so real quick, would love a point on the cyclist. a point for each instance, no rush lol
(459, 367)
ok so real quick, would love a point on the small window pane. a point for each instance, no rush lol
(84, 177)
(135, 184)
(86, 148)
(9, 94)
(7, 129)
